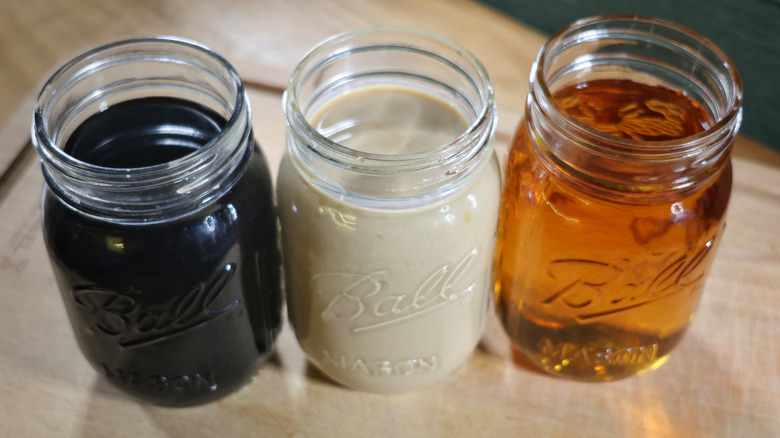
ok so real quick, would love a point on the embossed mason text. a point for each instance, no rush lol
(403, 367)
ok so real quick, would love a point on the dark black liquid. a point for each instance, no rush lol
(143, 133)
(173, 313)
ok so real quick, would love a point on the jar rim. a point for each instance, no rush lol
(335, 47)
(641, 149)
(46, 144)
(138, 68)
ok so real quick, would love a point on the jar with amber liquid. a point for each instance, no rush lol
(615, 195)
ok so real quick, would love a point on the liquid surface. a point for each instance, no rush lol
(388, 300)
(174, 313)
(626, 109)
(386, 120)
(144, 133)
(598, 289)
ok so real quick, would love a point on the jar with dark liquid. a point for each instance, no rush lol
(615, 194)
(159, 220)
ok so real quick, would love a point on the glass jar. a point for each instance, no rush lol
(617, 184)
(388, 242)
(158, 218)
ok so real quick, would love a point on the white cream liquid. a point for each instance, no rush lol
(389, 121)
(387, 300)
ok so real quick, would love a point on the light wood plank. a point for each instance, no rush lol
(723, 380)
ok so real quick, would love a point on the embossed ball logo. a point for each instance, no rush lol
(121, 315)
(365, 302)
(594, 289)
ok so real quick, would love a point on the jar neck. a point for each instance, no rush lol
(402, 58)
(646, 51)
(136, 69)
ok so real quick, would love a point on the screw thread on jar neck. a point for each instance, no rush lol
(401, 57)
(135, 69)
(643, 50)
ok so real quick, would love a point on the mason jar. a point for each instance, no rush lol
(615, 195)
(159, 220)
(388, 200)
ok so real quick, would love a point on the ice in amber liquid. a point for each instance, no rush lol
(591, 283)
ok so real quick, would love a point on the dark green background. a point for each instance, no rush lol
(747, 30)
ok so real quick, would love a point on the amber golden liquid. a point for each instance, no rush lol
(596, 287)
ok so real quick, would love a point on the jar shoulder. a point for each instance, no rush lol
(208, 234)
(296, 191)
(531, 178)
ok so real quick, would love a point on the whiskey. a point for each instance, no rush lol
(631, 110)
(593, 282)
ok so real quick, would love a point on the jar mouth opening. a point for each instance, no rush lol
(127, 51)
(128, 70)
(391, 39)
(635, 29)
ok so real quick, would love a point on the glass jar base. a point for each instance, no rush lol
(592, 353)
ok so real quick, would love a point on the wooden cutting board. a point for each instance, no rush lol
(723, 380)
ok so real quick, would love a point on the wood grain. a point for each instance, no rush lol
(723, 380)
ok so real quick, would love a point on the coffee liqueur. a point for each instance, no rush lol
(168, 269)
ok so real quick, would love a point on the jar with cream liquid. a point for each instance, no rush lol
(388, 196)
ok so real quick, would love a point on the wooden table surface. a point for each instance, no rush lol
(723, 379)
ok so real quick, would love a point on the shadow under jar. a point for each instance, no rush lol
(617, 184)
(388, 200)
(158, 218)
